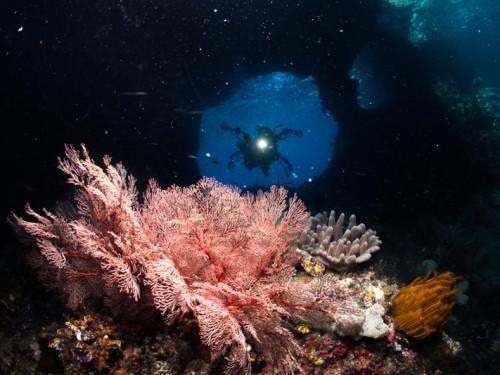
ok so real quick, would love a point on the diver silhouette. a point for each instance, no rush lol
(262, 150)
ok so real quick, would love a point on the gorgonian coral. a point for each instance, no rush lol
(204, 250)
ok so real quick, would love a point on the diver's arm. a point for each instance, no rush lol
(236, 131)
(285, 133)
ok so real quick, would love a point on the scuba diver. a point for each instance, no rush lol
(262, 150)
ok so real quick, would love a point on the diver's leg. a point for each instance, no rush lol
(265, 169)
(233, 158)
(288, 165)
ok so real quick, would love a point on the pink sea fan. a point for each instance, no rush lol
(205, 249)
(101, 237)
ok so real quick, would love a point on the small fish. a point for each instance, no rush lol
(361, 174)
(187, 112)
(133, 93)
(192, 156)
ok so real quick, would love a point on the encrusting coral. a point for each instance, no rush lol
(205, 251)
(424, 305)
(338, 248)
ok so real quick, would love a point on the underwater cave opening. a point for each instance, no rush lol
(273, 130)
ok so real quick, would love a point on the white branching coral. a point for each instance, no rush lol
(337, 247)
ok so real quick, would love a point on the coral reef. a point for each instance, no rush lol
(89, 340)
(362, 312)
(97, 343)
(349, 319)
(337, 247)
(374, 325)
(325, 354)
(205, 250)
(424, 305)
(149, 347)
(221, 270)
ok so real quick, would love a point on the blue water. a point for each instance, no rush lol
(270, 100)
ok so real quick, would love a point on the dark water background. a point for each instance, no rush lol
(69, 76)
(122, 76)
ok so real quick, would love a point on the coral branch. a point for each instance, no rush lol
(338, 248)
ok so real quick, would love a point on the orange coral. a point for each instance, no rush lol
(424, 305)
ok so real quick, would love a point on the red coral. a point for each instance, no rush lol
(204, 249)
